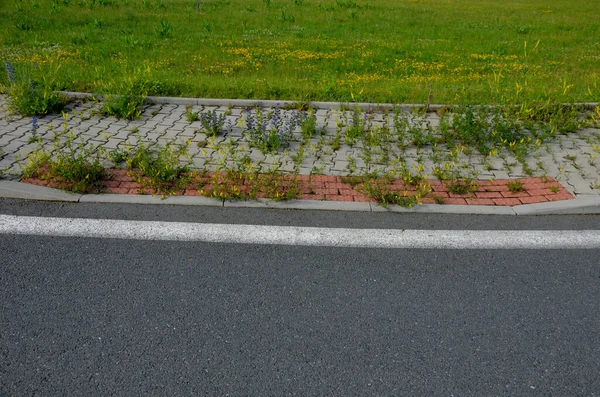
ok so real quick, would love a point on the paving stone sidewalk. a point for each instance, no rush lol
(571, 159)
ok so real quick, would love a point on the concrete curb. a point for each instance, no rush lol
(18, 190)
(302, 205)
(254, 102)
(147, 199)
(282, 103)
(581, 205)
(448, 209)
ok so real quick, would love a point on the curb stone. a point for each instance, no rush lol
(272, 103)
(581, 205)
(18, 190)
(448, 209)
(302, 205)
(148, 199)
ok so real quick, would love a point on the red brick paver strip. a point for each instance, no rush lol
(331, 188)
(539, 192)
(495, 188)
(117, 190)
(531, 199)
(510, 194)
(477, 201)
(507, 201)
(454, 201)
(488, 195)
(559, 196)
(34, 181)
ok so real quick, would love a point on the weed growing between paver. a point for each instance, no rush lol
(125, 100)
(388, 157)
(271, 130)
(72, 165)
(161, 169)
(232, 185)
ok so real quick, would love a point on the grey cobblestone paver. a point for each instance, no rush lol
(572, 159)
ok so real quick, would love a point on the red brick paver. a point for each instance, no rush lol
(478, 201)
(334, 188)
(507, 201)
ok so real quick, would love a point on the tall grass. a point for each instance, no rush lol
(463, 51)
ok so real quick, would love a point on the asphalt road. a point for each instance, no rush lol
(81, 316)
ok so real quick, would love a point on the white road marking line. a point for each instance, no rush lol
(302, 236)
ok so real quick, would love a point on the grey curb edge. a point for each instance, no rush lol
(19, 190)
(583, 204)
(148, 199)
(301, 205)
(271, 103)
(589, 204)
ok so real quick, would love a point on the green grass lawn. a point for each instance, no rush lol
(400, 51)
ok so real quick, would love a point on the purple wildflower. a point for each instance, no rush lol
(249, 120)
(10, 71)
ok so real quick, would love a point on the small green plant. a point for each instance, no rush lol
(336, 142)
(419, 135)
(462, 186)
(438, 199)
(118, 156)
(346, 3)
(300, 106)
(34, 128)
(357, 127)
(128, 103)
(298, 157)
(277, 186)
(392, 197)
(164, 29)
(515, 186)
(561, 118)
(308, 124)
(458, 178)
(245, 183)
(353, 180)
(29, 97)
(23, 25)
(413, 177)
(571, 158)
(269, 131)
(212, 122)
(284, 16)
(382, 191)
(554, 188)
(470, 126)
(79, 39)
(73, 166)
(159, 167)
(190, 115)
